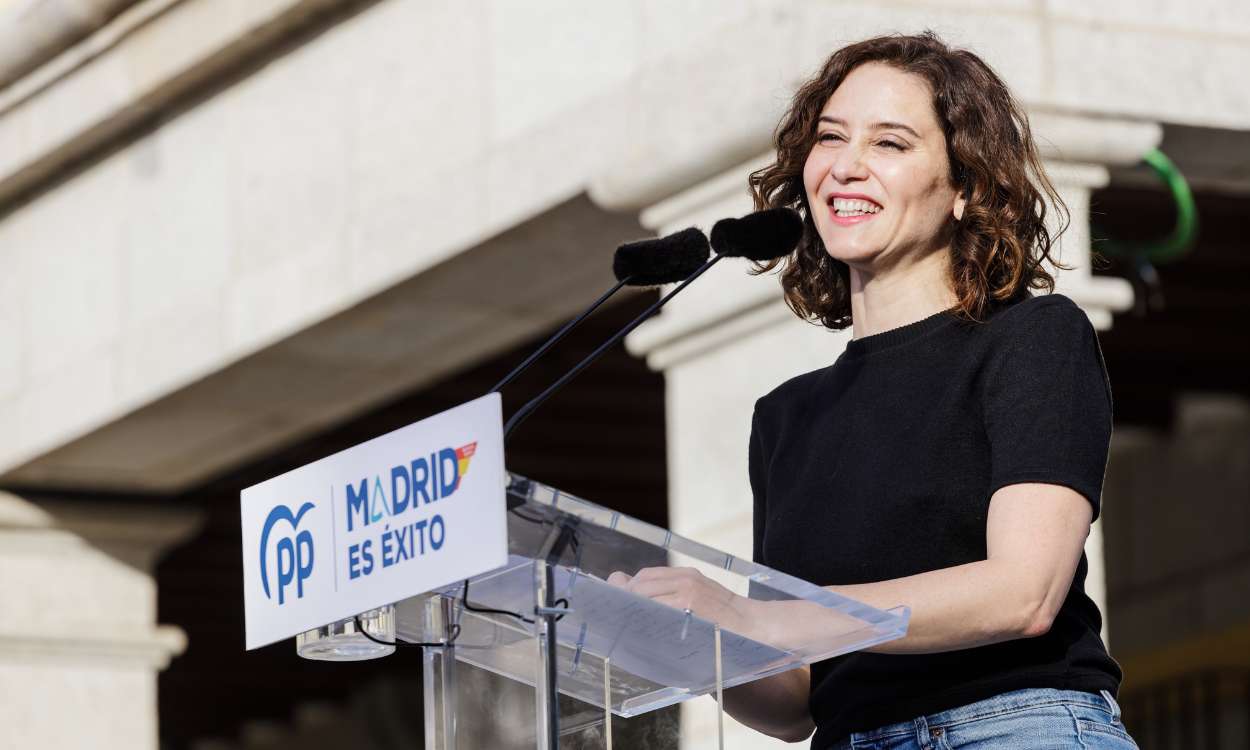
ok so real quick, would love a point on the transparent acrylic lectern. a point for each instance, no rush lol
(548, 624)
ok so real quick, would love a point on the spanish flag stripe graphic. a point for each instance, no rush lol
(464, 454)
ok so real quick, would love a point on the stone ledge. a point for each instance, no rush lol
(134, 534)
(151, 649)
(32, 33)
(123, 78)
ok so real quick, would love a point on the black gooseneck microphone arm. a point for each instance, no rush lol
(646, 262)
(560, 334)
(538, 400)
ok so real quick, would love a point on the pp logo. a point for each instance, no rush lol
(294, 552)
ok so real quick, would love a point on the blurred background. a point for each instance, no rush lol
(239, 235)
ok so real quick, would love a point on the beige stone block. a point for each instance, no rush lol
(268, 304)
(59, 406)
(11, 437)
(70, 265)
(418, 98)
(1011, 43)
(526, 176)
(1157, 75)
(80, 601)
(15, 134)
(190, 33)
(547, 56)
(59, 112)
(161, 353)
(686, 118)
(177, 246)
(288, 162)
(141, 55)
(1071, 248)
(12, 330)
(405, 223)
(1215, 17)
(94, 707)
(80, 588)
(667, 29)
(1015, 6)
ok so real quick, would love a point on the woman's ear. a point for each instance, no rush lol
(960, 183)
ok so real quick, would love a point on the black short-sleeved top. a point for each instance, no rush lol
(882, 465)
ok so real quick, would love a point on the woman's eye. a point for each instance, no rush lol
(824, 137)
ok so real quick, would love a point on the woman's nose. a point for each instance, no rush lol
(848, 165)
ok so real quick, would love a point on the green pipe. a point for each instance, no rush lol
(1184, 233)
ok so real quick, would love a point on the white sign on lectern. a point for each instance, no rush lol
(399, 515)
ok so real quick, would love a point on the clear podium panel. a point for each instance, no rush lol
(616, 648)
(498, 713)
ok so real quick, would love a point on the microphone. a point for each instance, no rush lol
(648, 262)
(760, 236)
(665, 260)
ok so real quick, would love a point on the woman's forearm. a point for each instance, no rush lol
(776, 706)
(955, 608)
(1035, 537)
(952, 608)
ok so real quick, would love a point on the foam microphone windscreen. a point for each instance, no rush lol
(663, 260)
(761, 236)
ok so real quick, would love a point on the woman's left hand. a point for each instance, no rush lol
(687, 588)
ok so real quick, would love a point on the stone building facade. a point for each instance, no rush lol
(229, 226)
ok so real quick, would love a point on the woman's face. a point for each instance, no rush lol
(878, 138)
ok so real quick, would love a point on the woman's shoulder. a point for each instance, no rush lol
(1034, 318)
(1038, 337)
(1029, 306)
(790, 394)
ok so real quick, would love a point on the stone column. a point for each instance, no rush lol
(1077, 151)
(729, 339)
(79, 645)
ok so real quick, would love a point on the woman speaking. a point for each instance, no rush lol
(952, 458)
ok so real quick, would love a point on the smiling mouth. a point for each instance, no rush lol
(847, 208)
(856, 212)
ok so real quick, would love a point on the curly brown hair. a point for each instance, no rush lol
(998, 246)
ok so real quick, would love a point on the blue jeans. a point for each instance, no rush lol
(1035, 718)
